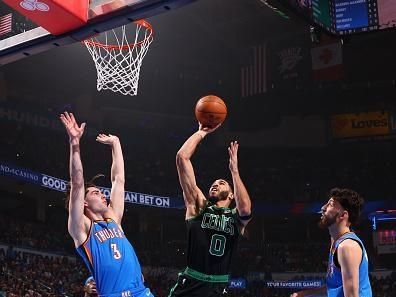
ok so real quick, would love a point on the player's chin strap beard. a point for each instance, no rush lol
(213, 199)
(223, 195)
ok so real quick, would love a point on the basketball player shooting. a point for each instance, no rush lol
(95, 225)
(213, 228)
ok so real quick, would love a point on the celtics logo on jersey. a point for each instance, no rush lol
(218, 223)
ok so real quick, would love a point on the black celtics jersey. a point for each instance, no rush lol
(212, 240)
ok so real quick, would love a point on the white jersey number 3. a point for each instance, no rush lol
(116, 252)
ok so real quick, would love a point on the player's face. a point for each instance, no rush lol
(95, 200)
(91, 288)
(219, 190)
(330, 212)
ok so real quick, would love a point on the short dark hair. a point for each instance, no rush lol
(88, 184)
(350, 200)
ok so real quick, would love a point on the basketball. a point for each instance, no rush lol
(210, 111)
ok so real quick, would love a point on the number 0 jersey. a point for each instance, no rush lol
(111, 260)
(212, 240)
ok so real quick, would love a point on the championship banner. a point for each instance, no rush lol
(351, 125)
(59, 185)
(305, 284)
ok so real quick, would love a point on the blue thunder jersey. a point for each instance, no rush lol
(112, 261)
(334, 276)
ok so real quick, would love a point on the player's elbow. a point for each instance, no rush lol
(181, 158)
(119, 179)
(77, 178)
(244, 211)
(76, 183)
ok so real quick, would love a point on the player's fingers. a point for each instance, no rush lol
(231, 152)
(232, 146)
(63, 119)
(72, 118)
(217, 126)
(67, 116)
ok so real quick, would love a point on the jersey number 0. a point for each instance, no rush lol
(217, 245)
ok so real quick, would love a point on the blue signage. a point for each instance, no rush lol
(295, 284)
(237, 283)
(350, 14)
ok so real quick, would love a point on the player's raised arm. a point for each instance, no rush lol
(117, 175)
(76, 196)
(241, 195)
(193, 196)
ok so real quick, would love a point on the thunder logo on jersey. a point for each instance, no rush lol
(105, 234)
(107, 250)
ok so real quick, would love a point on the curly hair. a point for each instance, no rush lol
(88, 184)
(350, 200)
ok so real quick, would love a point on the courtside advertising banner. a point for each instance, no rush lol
(295, 284)
(237, 283)
(57, 184)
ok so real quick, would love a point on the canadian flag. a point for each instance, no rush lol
(327, 61)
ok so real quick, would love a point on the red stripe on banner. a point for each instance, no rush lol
(255, 72)
(6, 24)
(259, 69)
(243, 84)
(253, 77)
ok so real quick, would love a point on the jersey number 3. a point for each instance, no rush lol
(217, 245)
(116, 252)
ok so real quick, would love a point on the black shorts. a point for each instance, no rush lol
(187, 286)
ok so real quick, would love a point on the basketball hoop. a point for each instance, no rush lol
(118, 65)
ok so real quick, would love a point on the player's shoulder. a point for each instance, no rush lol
(349, 245)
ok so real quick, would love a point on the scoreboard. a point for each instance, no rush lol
(343, 17)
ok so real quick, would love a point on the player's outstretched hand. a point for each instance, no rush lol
(233, 152)
(107, 139)
(208, 130)
(73, 130)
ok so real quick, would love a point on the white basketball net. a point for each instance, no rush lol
(118, 66)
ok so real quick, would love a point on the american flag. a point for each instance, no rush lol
(5, 24)
(253, 77)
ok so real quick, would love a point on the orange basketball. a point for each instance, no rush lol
(210, 111)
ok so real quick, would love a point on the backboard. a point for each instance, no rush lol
(20, 37)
